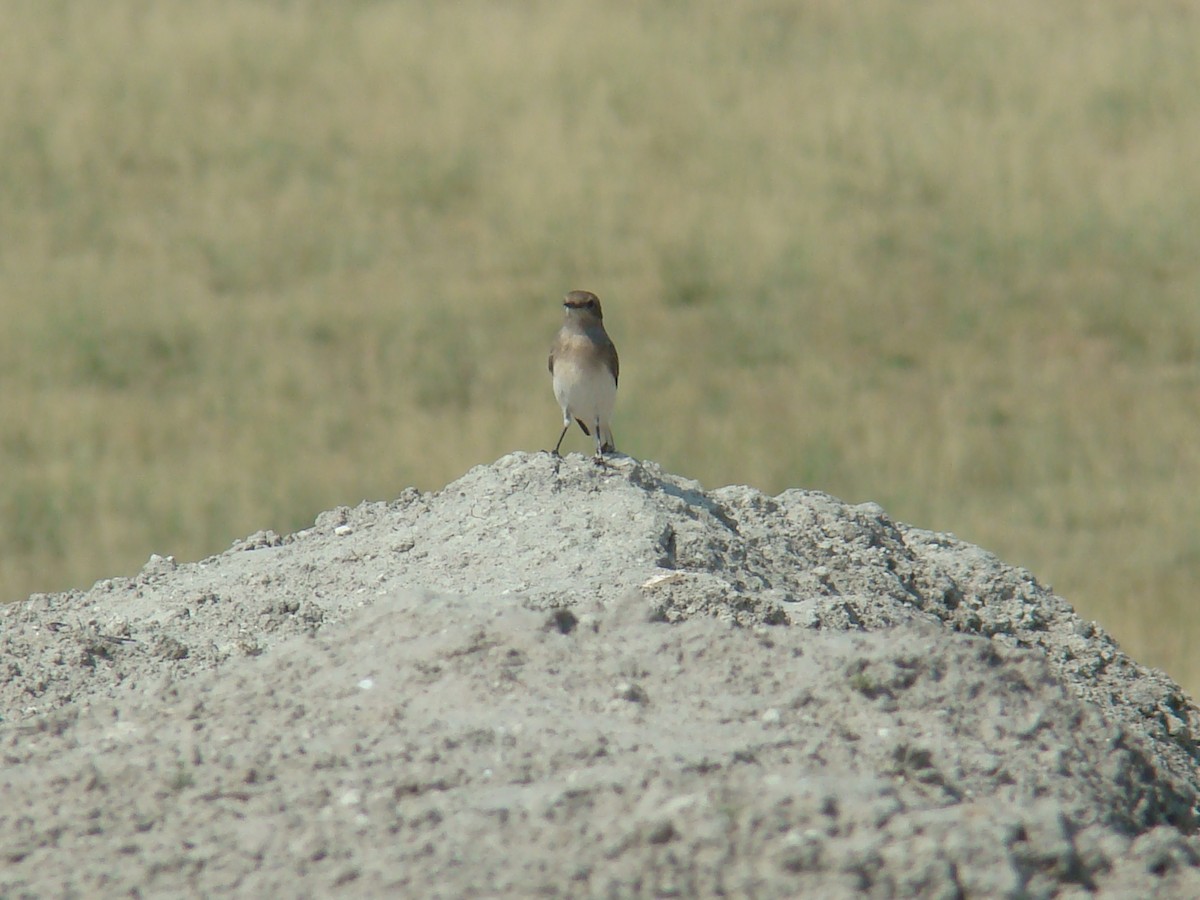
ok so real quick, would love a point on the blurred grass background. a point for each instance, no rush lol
(258, 259)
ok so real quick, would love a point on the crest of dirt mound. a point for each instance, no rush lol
(560, 678)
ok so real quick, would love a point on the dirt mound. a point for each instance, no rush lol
(556, 678)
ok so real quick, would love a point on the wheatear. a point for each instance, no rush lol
(584, 364)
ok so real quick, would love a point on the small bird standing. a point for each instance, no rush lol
(583, 362)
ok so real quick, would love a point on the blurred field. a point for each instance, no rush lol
(260, 259)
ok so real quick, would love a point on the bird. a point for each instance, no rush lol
(585, 369)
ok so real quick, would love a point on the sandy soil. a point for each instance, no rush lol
(556, 679)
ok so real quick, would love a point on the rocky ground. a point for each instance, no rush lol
(557, 679)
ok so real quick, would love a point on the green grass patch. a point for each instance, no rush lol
(260, 259)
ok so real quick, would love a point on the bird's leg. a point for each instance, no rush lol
(599, 457)
(560, 438)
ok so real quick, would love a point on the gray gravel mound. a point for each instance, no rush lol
(560, 679)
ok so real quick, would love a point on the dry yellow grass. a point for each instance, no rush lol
(259, 259)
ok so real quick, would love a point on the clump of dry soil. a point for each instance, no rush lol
(559, 679)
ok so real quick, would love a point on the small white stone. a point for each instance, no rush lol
(664, 578)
